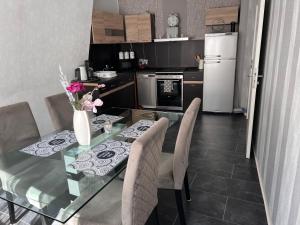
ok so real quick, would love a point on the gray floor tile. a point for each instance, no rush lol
(245, 213)
(207, 204)
(218, 168)
(195, 218)
(245, 173)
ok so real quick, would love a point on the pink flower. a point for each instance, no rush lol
(89, 105)
(75, 87)
(97, 102)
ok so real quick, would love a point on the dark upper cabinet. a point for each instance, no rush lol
(192, 87)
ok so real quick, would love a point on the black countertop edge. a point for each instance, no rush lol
(163, 69)
(119, 72)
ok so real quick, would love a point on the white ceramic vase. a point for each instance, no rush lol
(82, 127)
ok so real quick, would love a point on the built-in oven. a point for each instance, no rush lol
(169, 90)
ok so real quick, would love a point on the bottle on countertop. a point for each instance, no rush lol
(121, 55)
(131, 55)
(126, 55)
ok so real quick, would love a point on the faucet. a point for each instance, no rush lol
(106, 68)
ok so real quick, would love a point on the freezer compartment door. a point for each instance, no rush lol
(221, 46)
(218, 88)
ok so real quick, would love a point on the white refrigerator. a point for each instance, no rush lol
(219, 72)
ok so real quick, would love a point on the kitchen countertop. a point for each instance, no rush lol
(122, 73)
(168, 69)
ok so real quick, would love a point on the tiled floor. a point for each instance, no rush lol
(224, 185)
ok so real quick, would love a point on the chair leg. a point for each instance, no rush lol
(156, 215)
(11, 211)
(187, 187)
(180, 207)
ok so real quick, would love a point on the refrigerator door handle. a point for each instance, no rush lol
(213, 56)
(212, 61)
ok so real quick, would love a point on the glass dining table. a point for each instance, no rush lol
(49, 186)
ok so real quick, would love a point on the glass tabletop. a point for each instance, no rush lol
(50, 186)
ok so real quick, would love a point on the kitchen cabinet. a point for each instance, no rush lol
(107, 28)
(124, 98)
(139, 28)
(118, 91)
(192, 87)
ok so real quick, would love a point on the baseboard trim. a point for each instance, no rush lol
(263, 193)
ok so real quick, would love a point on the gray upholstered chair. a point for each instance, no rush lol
(173, 166)
(61, 111)
(18, 128)
(139, 190)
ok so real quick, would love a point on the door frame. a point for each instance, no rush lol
(253, 75)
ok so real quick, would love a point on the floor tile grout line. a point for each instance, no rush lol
(194, 178)
(223, 217)
(218, 219)
(232, 171)
(174, 222)
(232, 197)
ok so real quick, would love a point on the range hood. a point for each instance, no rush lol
(171, 39)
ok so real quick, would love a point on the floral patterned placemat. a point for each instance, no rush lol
(51, 144)
(137, 129)
(97, 123)
(102, 158)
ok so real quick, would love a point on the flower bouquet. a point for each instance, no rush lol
(81, 105)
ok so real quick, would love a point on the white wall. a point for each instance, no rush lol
(36, 36)
(107, 5)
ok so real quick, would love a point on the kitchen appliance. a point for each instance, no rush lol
(219, 72)
(146, 85)
(169, 90)
(81, 73)
(161, 90)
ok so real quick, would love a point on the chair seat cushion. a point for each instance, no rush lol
(165, 171)
(20, 179)
(103, 209)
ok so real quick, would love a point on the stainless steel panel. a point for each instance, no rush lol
(146, 85)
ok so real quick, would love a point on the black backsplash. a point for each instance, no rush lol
(161, 54)
(103, 54)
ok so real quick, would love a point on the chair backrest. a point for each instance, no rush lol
(139, 196)
(18, 128)
(183, 142)
(61, 111)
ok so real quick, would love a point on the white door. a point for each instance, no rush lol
(253, 74)
(218, 85)
(222, 45)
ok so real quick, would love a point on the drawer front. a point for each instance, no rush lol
(193, 76)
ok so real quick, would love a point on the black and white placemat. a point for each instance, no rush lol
(51, 144)
(137, 129)
(102, 158)
(97, 123)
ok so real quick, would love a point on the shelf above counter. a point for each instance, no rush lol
(171, 39)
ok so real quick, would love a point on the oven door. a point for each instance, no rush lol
(169, 94)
